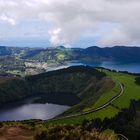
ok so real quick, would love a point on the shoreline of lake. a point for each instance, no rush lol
(26, 110)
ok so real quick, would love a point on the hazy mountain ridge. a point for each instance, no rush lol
(30, 61)
(61, 54)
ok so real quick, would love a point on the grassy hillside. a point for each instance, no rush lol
(131, 92)
(91, 94)
(84, 82)
(70, 80)
(126, 122)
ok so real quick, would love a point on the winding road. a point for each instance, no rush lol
(94, 109)
(122, 137)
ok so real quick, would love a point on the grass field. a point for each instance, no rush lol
(107, 112)
(105, 97)
(132, 92)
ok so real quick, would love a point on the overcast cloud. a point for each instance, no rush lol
(109, 22)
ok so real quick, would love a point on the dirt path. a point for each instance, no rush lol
(95, 109)
(15, 133)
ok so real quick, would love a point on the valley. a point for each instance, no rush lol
(80, 93)
(106, 99)
(64, 82)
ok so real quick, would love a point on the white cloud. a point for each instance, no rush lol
(72, 18)
(54, 36)
(7, 19)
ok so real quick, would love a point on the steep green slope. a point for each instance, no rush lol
(131, 92)
(70, 80)
(85, 83)
(12, 89)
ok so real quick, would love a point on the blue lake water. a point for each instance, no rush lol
(26, 110)
(121, 66)
(130, 67)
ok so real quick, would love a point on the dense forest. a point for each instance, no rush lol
(126, 122)
(12, 89)
(69, 81)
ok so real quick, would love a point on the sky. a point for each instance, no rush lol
(73, 23)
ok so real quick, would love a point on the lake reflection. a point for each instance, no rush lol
(32, 111)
